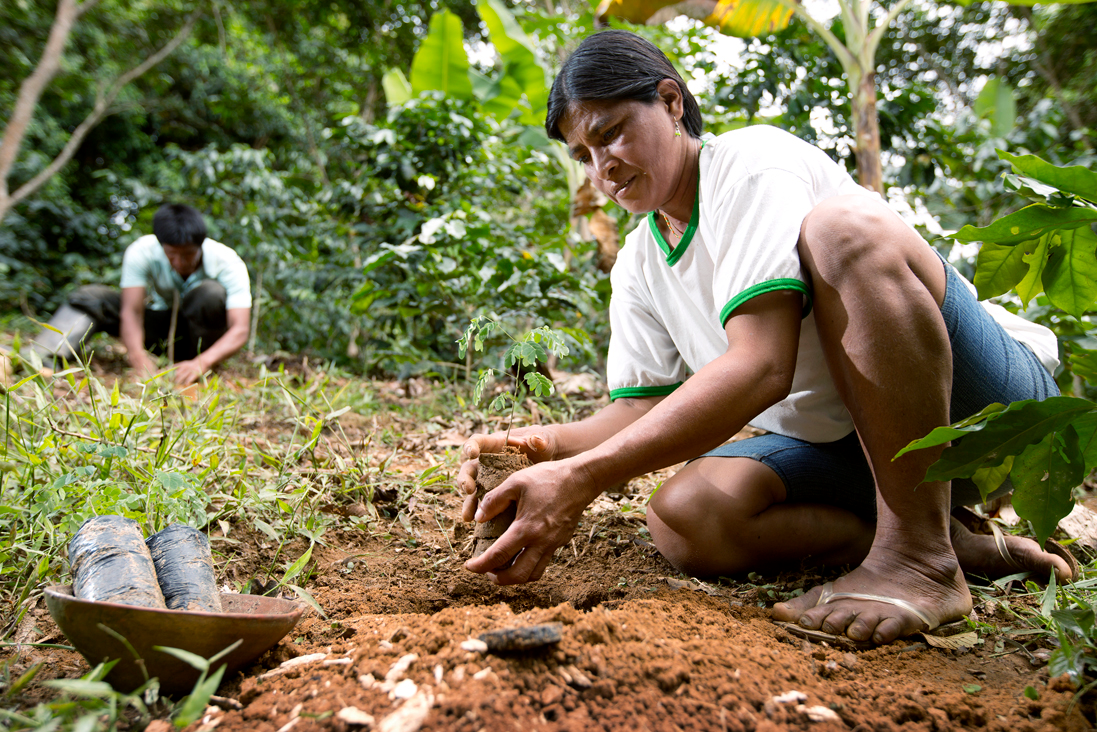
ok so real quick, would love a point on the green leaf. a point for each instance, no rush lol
(1074, 179)
(1070, 278)
(1084, 364)
(308, 598)
(482, 381)
(528, 353)
(396, 86)
(1032, 283)
(191, 659)
(941, 435)
(441, 63)
(1043, 477)
(996, 102)
(538, 384)
(296, 567)
(999, 268)
(989, 479)
(1086, 427)
(1078, 620)
(1030, 692)
(266, 529)
(750, 18)
(1030, 222)
(518, 55)
(192, 707)
(1018, 426)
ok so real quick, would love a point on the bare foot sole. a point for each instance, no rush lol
(880, 606)
(993, 553)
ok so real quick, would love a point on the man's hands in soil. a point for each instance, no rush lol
(551, 498)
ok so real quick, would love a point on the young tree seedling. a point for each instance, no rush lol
(525, 353)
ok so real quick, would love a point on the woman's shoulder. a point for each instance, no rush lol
(763, 147)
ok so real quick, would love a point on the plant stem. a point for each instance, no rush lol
(514, 401)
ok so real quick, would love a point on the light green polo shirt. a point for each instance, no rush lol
(145, 265)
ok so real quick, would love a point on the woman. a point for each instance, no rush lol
(795, 301)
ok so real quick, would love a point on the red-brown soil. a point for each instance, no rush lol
(642, 647)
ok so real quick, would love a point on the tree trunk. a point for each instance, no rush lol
(866, 132)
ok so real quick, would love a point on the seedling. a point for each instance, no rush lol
(524, 353)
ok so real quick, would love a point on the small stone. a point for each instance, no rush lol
(819, 714)
(575, 678)
(406, 689)
(474, 645)
(790, 697)
(509, 640)
(354, 715)
(551, 695)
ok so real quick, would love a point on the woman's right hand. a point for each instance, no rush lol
(538, 443)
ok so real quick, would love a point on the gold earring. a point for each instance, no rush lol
(677, 130)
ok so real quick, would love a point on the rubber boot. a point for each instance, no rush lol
(75, 325)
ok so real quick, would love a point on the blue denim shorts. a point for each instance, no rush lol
(988, 366)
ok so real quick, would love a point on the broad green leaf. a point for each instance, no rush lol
(750, 18)
(81, 687)
(498, 97)
(1070, 278)
(1043, 476)
(1020, 425)
(441, 63)
(989, 479)
(1030, 222)
(941, 435)
(266, 529)
(996, 103)
(515, 47)
(396, 86)
(1075, 179)
(634, 11)
(1086, 427)
(1032, 283)
(999, 268)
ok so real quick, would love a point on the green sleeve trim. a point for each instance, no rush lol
(642, 391)
(785, 283)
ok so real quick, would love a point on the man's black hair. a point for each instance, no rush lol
(177, 224)
(616, 64)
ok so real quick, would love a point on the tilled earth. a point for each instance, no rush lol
(641, 647)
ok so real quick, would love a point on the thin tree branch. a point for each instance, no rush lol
(30, 91)
(102, 107)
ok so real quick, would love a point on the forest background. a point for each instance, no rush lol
(380, 204)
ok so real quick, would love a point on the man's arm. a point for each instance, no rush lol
(187, 372)
(132, 330)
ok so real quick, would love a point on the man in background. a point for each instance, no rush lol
(182, 295)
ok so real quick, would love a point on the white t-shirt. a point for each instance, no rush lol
(145, 265)
(669, 307)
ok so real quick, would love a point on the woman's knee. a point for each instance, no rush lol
(701, 528)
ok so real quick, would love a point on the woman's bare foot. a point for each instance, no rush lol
(979, 554)
(939, 593)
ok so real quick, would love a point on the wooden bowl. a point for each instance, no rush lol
(259, 622)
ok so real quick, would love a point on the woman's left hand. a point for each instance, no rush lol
(551, 498)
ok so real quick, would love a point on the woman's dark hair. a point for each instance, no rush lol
(615, 64)
(177, 224)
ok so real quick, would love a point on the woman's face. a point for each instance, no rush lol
(628, 149)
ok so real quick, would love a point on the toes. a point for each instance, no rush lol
(791, 611)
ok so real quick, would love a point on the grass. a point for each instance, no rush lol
(272, 454)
